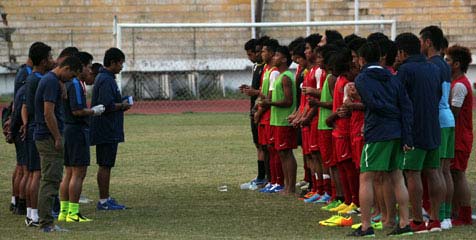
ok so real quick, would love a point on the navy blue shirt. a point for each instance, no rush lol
(422, 82)
(388, 110)
(76, 101)
(109, 127)
(20, 77)
(49, 90)
(16, 121)
(31, 86)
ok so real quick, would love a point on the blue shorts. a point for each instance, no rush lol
(106, 154)
(33, 155)
(76, 145)
(21, 151)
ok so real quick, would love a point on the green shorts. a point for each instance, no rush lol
(419, 159)
(447, 147)
(381, 156)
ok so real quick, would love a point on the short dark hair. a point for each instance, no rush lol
(113, 55)
(271, 44)
(96, 67)
(341, 61)
(377, 36)
(350, 38)
(313, 40)
(408, 42)
(285, 51)
(299, 50)
(370, 51)
(390, 51)
(73, 63)
(435, 34)
(38, 53)
(262, 40)
(295, 43)
(250, 45)
(327, 52)
(333, 36)
(68, 52)
(356, 43)
(84, 57)
(445, 43)
(460, 54)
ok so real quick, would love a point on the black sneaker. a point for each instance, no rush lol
(359, 233)
(303, 193)
(12, 207)
(28, 221)
(21, 207)
(406, 231)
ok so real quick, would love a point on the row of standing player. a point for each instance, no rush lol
(330, 117)
(52, 127)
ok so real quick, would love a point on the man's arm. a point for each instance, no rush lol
(288, 94)
(406, 107)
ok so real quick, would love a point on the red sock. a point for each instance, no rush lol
(320, 186)
(314, 182)
(464, 214)
(278, 168)
(344, 182)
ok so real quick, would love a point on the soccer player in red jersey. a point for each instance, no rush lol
(459, 58)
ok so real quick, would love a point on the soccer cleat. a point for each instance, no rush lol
(266, 188)
(346, 222)
(406, 231)
(377, 218)
(301, 183)
(354, 211)
(28, 221)
(434, 226)
(309, 194)
(62, 216)
(34, 224)
(261, 182)
(12, 207)
(323, 199)
(276, 188)
(375, 225)
(77, 218)
(246, 185)
(53, 228)
(446, 224)
(83, 199)
(253, 186)
(331, 205)
(338, 208)
(332, 221)
(418, 228)
(110, 204)
(349, 208)
(313, 198)
(359, 233)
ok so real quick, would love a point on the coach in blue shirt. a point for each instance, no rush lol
(107, 130)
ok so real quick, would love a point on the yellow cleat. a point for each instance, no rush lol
(62, 217)
(338, 208)
(348, 209)
(77, 218)
(332, 221)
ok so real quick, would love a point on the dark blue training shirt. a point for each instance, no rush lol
(109, 127)
(76, 101)
(31, 85)
(444, 68)
(422, 82)
(49, 90)
(388, 110)
(20, 77)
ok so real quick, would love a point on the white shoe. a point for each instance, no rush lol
(446, 224)
(301, 183)
(426, 216)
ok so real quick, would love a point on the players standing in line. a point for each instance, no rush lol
(459, 58)
(422, 82)
(107, 130)
(283, 103)
(42, 60)
(388, 122)
(431, 39)
(49, 118)
(76, 141)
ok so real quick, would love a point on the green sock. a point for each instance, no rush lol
(442, 211)
(73, 208)
(448, 210)
(64, 206)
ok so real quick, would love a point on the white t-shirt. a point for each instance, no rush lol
(458, 93)
(318, 75)
(272, 77)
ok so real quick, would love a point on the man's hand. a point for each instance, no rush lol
(23, 130)
(265, 102)
(313, 102)
(309, 90)
(256, 117)
(58, 144)
(406, 148)
(125, 105)
(343, 112)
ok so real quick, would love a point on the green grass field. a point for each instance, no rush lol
(168, 172)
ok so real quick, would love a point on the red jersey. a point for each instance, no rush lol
(342, 125)
(464, 121)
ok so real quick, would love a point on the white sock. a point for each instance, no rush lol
(28, 213)
(102, 201)
(13, 200)
(34, 215)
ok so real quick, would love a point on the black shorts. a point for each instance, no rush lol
(106, 154)
(299, 137)
(76, 145)
(21, 151)
(254, 131)
(33, 155)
